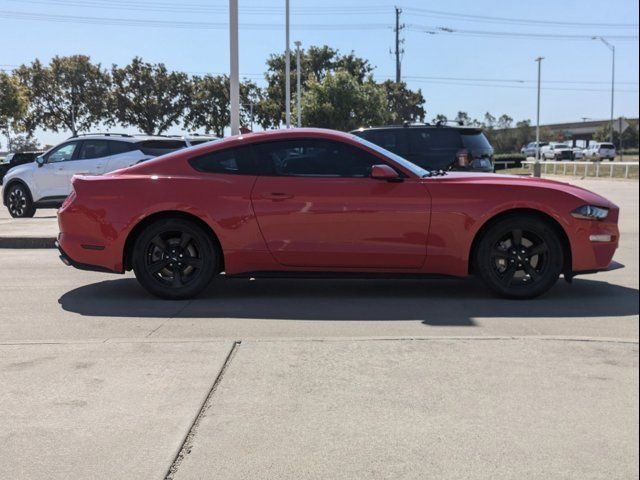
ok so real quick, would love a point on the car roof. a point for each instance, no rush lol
(123, 137)
(418, 126)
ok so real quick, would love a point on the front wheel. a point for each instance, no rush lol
(175, 259)
(519, 257)
(19, 202)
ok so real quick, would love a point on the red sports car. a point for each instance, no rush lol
(318, 202)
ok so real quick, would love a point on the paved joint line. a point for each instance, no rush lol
(187, 443)
(177, 314)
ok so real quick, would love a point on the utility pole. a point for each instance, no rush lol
(287, 71)
(234, 91)
(613, 80)
(297, 43)
(536, 166)
(399, 42)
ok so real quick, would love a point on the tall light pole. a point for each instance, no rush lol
(287, 71)
(234, 73)
(613, 79)
(297, 43)
(536, 167)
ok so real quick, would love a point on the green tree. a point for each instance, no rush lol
(208, 107)
(440, 118)
(629, 136)
(315, 64)
(340, 102)
(71, 93)
(148, 96)
(22, 143)
(13, 101)
(403, 104)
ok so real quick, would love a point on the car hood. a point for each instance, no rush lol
(19, 170)
(499, 180)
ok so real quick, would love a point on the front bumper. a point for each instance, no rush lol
(612, 266)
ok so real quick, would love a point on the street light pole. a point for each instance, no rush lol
(234, 77)
(287, 70)
(297, 43)
(536, 167)
(613, 80)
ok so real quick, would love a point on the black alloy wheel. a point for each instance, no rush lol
(520, 258)
(174, 259)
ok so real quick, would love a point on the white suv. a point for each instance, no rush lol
(46, 182)
(598, 151)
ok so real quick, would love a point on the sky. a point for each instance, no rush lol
(464, 70)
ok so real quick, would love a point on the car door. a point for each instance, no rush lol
(318, 207)
(91, 159)
(50, 179)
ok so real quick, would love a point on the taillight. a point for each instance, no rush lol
(463, 158)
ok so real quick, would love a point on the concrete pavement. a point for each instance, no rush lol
(454, 409)
(333, 379)
(37, 232)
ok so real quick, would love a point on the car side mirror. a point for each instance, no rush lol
(385, 172)
(40, 161)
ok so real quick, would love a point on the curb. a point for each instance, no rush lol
(27, 242)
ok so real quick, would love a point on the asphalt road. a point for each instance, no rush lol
(319, 379)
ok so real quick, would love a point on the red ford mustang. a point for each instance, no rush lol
(318, 202)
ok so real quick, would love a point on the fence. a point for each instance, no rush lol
(606, 168)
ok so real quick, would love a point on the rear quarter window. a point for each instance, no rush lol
(434, 139)
(392, 140)
(233, 161)
(476, 141)
(159, 147)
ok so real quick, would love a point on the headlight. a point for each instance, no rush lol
(590, 212)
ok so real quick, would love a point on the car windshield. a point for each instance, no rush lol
(421, 172)
(561, 145)
(606, 145)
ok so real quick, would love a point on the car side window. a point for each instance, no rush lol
(391, 140)
(314, 158)
(93, 149)
(62, 153)
(117, 147)
(235, 161)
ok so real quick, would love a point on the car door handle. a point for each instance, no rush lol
(277, 196)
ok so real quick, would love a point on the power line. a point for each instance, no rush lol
(520, 21)
(130, 22)
(489, 33)
(187, 8)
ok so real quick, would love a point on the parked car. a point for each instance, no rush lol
(320, 202)
(15, 159)
(194, 139)
(556, 151)
(600, 150)
(578, 153)
(436, 147)
(530, 149)
(46, 182)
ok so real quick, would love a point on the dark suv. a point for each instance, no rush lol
(435, 147)
(15, 159)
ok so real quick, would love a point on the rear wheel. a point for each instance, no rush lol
(519, 257)
(19, 202)
(175, 259)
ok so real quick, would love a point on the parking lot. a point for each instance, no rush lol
(317, 378)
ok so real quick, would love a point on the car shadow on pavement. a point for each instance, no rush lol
(433, 302)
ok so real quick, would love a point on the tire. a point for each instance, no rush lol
(519, 257)
(175, 259)
(19, 201)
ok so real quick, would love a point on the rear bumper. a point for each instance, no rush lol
(68, 261)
